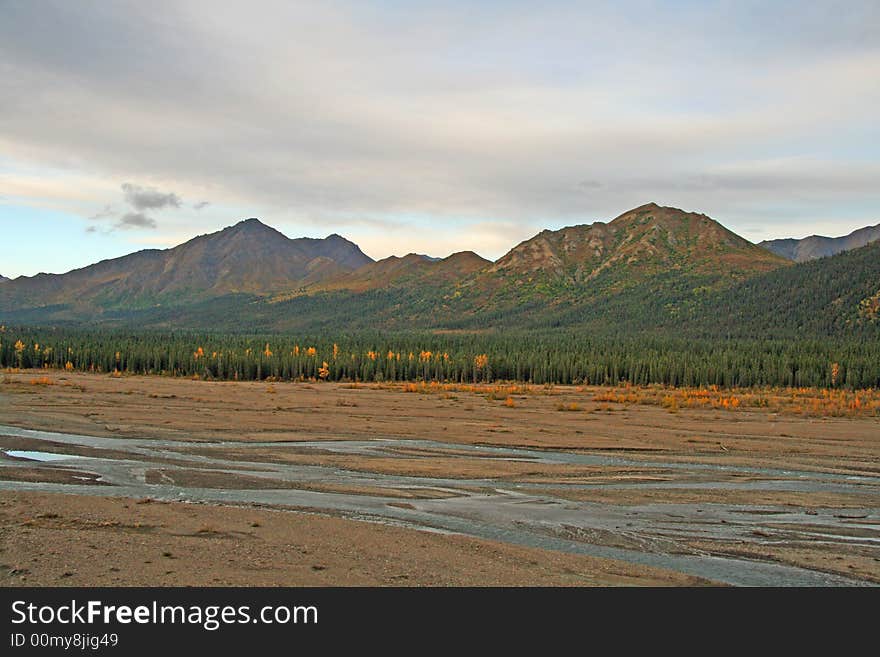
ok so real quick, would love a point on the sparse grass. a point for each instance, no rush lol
(492, 392)
(811, 402)
(803, 401)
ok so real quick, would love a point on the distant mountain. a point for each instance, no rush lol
(602, 273)
(629, 274)
(652, 270)
(249, 258)
(3, 278)
(817, 246)
(816, 299)
(413, 270)
(647, 240)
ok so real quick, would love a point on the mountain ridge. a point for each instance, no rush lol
(413, 268)
(820, 246)
(649, 235)
(649, 266)
(248, 257)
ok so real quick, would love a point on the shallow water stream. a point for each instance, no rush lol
(654, 534)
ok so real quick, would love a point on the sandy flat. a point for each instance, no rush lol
(57, 540)
(264, 426)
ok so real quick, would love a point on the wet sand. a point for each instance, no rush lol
(64, 540)
(632, 492)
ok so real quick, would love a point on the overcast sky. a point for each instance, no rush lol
(427, 127)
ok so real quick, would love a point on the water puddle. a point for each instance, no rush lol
(44, 457)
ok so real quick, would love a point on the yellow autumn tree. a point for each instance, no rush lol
(324, 371)
(481, 363)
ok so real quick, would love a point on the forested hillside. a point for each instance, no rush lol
(831, 296)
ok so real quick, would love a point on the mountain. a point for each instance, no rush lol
(413, 269)
(646, 265)
(652, 270)
(598, 274)
(817, 246)
(816, 298)
(247, 258)
(3, 278)
(647, 240)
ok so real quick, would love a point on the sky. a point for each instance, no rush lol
(428, 127)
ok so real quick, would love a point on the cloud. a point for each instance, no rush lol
(139, 198)
(311, 113)
(201, 205)
(106, 212)
(132, 220)
(148, 198)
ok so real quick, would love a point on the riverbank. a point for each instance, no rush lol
(737, 496)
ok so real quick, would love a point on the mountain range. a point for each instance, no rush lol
(651, 268)
(817, 246)
(248, 257)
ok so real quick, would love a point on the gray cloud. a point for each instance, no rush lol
(148, 198)
(135, 220)
(139, 198)
(433, 113)
(590, 185)
(106, 212)
(201, 205)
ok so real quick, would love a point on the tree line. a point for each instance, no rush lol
(547, 357)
